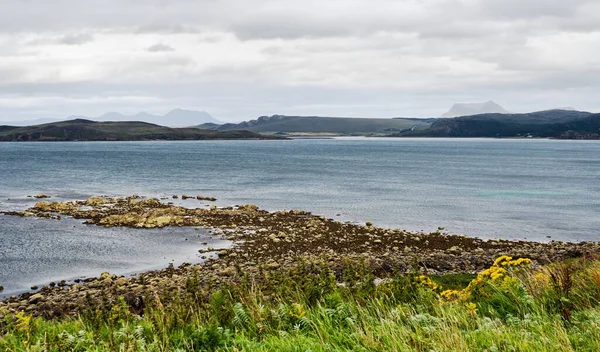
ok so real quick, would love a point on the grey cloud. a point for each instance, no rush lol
(340, 57)
(166, 29)
(76, 39)
(511, 9)
(283, 18)
(159, 47)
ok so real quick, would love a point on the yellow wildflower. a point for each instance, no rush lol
(427, 282)
(471, 309)
(502, 260)
(520, 261)
(451, 295)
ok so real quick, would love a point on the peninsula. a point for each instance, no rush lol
(86, 130)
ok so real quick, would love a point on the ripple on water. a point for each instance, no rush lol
(38, 251)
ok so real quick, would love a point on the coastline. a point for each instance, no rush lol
(268, 242)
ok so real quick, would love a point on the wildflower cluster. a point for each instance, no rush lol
(496, 274)
(506, 261)
(425, 281)
(499, 271)
(452, 295)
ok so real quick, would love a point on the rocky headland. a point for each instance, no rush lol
(265, 244)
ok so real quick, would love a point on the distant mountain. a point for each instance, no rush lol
(174, 118)
(27, 122)
(317, 124)
(86, 130)
(488, 107)
(549, 123)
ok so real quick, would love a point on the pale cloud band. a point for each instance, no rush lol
(241, 59)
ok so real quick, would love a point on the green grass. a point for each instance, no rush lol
(555, 308)
(453, 281)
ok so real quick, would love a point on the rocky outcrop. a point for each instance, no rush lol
(266, 242)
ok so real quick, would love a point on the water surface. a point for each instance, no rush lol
(518, 189)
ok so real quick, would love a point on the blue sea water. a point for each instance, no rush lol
(490, 188)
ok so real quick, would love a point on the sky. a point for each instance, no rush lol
(240, 59)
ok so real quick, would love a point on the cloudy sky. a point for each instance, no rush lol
(239, 59)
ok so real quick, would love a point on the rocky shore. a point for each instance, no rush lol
(265, 243)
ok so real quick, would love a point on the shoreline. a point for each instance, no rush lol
(75, 279)
(267, 242)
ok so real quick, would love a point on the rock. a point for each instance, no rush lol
(223, 253)
(38, 297)
(162, 221)
(34, 287)
(454, 249)
(41, 196)
(248, 207)
(96, 201)
(121, 281)
(107, 276)
(1, 288)
(135, 303)
(272, 265)
(229, 271)
(210, 199)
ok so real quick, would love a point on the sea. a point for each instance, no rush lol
(530, 189)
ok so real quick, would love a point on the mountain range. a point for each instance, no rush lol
(174, 118)
(556, 123)
(460, 109)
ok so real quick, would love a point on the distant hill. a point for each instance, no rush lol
(317, 124)
(488, 107)
(550, 123)
(86, 130)
(174, 118)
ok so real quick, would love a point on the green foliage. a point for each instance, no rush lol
(551, 123)
(453, 281)
(305, 308)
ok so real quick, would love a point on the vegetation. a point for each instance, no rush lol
(562, 124)
(511, 306)
(317, 124)
(85, 130)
